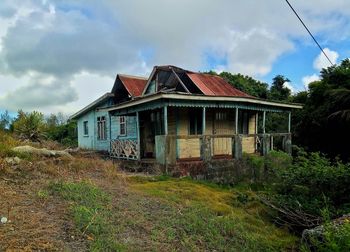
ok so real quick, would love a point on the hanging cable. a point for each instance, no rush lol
(312, 36)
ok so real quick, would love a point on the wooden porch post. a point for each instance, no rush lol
(264, 118)
(203, 121)
(256, 122)
(165, 120)
(236, 122)
(237, 151)
(289, 121)
(138, 136)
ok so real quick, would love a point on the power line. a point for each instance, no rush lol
(309, 32)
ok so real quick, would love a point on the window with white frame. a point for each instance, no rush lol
(101, 128)
(122, 125)
(86, 128)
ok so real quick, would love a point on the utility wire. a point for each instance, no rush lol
(309, 32)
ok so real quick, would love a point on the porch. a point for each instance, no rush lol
(210, 147)
(174, 131)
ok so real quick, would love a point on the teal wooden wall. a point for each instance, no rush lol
(131, 128)
(86, 141)
(90, 141)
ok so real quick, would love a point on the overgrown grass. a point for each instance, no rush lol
(213, 218)
(91, 211)
(7, 142)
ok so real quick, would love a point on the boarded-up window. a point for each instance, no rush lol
(86, 128)
(196, 122)
(122, 125)
(101, 128)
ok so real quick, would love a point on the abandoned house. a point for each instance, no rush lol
(177, 115)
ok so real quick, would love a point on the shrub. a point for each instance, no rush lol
(256, 165)
(268, 168)
(30, 126)
(333, 237)
(65, 134)
(276, 163)
(311, 184)
(7, 142)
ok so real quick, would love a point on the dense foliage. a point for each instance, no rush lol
(314, 183)
(34, 126)
(29, 125)
(306, 191)
(324, 123)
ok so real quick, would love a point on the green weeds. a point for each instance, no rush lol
(91, 211)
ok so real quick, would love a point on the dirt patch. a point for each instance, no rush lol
(36, 220)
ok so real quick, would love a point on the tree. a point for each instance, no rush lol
(324, 122)
(246, 84)
(5, 120)
(278, 91)
(30, 126)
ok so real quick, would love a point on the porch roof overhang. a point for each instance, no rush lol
(160, 100)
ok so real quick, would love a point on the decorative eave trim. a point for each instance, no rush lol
(158, 96)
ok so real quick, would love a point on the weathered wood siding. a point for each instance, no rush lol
(190, 148)
(131, 127)
(186, 148)
(248, 143)
(172, 113)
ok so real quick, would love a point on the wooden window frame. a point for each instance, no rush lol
(198, 124)
(101, 128)
(85, 128)
(122, 125)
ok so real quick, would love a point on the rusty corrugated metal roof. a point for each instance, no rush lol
(214, 85)
(133, 84)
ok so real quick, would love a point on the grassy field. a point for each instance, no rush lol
(87, 204)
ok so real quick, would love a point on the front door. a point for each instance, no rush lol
(223, 124)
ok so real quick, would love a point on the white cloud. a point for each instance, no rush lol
(310, 78)
(322, 62)
(289, 86)
(85, 43)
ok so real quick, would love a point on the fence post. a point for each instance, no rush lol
(238, 147)
(287, 143)
(206, 148)
(265, 144)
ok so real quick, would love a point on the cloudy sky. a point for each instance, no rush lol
(58, 56)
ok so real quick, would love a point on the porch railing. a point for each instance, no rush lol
(124, 149)
(208, 147)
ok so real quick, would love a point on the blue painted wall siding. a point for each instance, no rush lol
(90, 141)
(131, 128)
(86, 141)
(102, 144)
